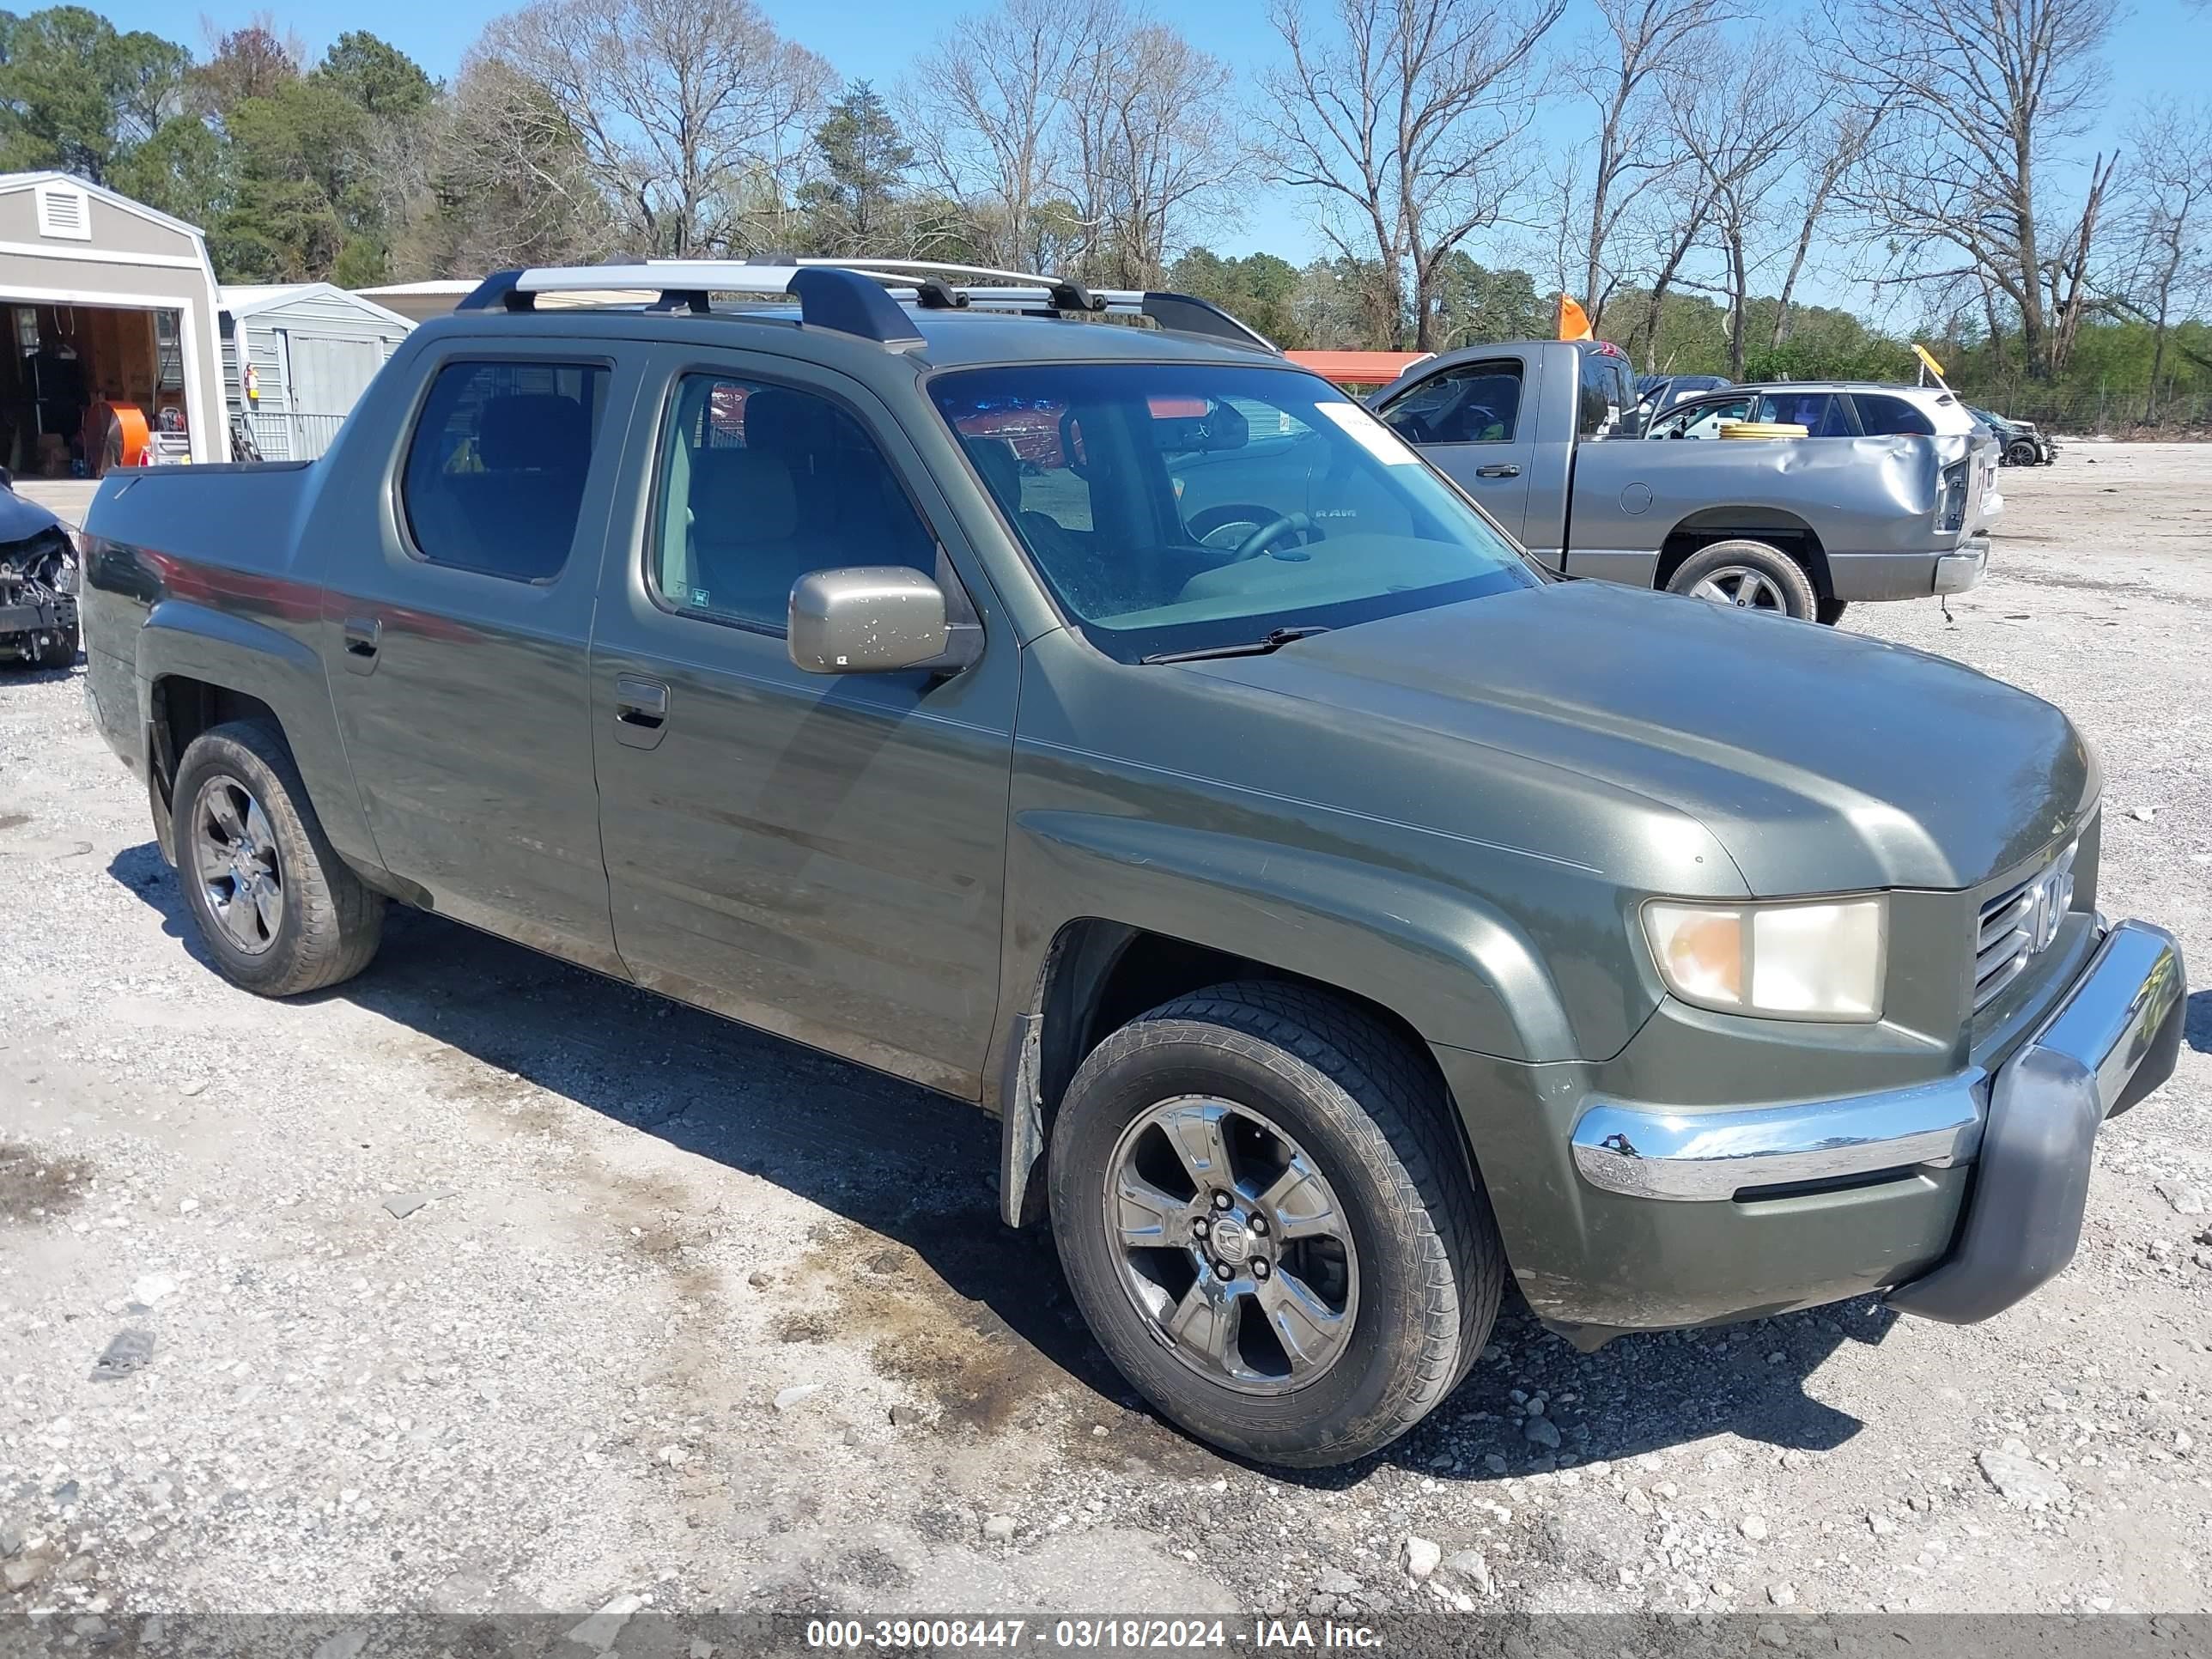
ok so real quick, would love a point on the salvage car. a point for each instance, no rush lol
(37, 583)
(1894, 506)
(2020, 443)
(1340, 920)
(1657, 393)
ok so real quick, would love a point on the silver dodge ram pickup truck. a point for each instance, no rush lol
(1888, 497)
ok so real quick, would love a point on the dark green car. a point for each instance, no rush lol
(1120, 728)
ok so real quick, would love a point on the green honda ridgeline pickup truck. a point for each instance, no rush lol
(1340, 915)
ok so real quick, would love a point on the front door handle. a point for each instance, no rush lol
(364, 636)
(641, 711)
(1498, 470)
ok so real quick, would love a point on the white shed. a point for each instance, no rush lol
(313, 349)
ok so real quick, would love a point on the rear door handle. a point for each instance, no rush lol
(1499, 469)
(641, 711)
(363, 636)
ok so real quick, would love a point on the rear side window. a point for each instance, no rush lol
(1820, 413)
(1891, 418)
(1474, 404)
(495, 475)
(1606, 391)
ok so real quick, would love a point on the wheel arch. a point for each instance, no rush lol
(1776, 526)
(201, 666)
(1096, 976)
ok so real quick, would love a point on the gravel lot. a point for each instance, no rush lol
(481, 1284)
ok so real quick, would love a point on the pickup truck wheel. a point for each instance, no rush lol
(275, 905)
(1748, 575)
(1264, 1214)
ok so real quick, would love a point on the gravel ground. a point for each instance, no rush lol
(481, 1284)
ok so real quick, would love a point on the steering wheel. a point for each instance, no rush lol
(1273, 531)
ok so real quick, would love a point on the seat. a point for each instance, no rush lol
(517, 516)
(746, 550)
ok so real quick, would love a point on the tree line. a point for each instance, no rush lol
(1730, 154)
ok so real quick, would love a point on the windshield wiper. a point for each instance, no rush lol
(1274, 640)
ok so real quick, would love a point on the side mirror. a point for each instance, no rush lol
(876, 619)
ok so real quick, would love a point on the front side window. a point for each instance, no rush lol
(1181, 506)
(759, 484)
(1474, 404)
(495, 476)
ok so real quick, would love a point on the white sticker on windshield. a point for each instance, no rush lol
(1370, 434)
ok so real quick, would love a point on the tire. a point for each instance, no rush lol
(2020, 452)
(327, 924)
(1829, 612)
(1773, 581)
(1393, 1200)
(62, 651)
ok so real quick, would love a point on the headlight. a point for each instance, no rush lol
(1789, 961)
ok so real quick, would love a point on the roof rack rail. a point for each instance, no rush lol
(858, 296)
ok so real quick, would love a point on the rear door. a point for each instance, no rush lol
(822, 856)
(1476, 423)
(457, 621)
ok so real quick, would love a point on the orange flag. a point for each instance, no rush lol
(1574, 321)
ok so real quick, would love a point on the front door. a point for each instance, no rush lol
(458, 623)
(819, 856)
(1476, 423)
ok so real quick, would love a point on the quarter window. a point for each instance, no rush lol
(495, 475)
(759, 484)
(1474, 404)
(1893, 417)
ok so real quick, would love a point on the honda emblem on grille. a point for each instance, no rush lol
(2054, 898)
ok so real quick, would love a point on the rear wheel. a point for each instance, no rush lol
(1747, 575)
(1263, 1212)
(276, 908)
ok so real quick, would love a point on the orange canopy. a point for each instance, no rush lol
(1358, 367)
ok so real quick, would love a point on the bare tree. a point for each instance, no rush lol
(1977, 99)
(2169, 221)
(1645, 45)
(1738, 144)
(1404, 118)
(1154, 161)
(691, 113)
(1824, 164)
(987, 113)
(514, 184)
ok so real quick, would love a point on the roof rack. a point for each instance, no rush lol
(864, 298)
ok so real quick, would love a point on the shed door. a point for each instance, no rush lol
(328, 377)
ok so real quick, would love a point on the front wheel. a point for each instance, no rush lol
(1264, 1214)
(2020, 452)
(1747, 575)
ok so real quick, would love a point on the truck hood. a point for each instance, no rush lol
(1821, 762)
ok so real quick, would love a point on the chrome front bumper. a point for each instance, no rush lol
(2111, 1039)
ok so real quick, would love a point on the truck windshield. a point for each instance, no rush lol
(1175, 508)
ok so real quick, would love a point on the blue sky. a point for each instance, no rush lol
(2158, 47)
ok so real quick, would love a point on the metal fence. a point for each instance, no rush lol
(292, 437)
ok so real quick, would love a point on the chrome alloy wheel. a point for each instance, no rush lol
(1741, 586)
(1231, 1244)
(234, 853)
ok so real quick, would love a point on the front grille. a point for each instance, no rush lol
(2019, 922)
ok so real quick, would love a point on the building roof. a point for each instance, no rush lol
(247, 299)
(16, 181)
